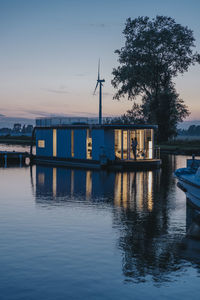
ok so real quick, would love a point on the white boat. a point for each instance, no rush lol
(189, 181)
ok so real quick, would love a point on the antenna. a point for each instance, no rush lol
(100, 83)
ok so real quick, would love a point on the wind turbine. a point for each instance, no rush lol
(100, 83)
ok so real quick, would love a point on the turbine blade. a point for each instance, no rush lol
(95, 88)
(99, 69)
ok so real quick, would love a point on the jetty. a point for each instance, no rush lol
(13, 157)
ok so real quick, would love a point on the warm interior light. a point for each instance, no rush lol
(72, 143)
(89, 144)
(150, 150)
(41, 143)
(54, 142)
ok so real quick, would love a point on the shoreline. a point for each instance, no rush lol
(181, 147)
(20, 140)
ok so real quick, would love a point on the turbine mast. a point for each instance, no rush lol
(100, 103)
(100, 83)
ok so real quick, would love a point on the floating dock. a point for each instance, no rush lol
(13, 157)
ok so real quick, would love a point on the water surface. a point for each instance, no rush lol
(78, 234)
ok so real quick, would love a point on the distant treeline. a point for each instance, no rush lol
(193, 130)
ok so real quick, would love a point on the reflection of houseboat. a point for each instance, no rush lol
(131, 190)
(96, 145)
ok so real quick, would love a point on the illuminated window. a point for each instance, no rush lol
(150, 150)
(54, 142)
(125, 144)
(72, 143)
(41, 143)
(89, 144)
(140, 136)
(149, 143)
(118, 144)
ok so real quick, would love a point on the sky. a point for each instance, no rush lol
(49, 54)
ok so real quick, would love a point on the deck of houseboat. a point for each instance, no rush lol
(145, 164)
(139, 164)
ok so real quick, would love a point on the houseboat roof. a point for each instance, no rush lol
(97, 126)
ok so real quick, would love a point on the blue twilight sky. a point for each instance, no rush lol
(49, 54)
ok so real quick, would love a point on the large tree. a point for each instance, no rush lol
(155, 52)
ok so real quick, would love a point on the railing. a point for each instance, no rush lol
(157, 152)
(141, 153)
(59, 121)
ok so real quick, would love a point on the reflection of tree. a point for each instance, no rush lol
(148, 248)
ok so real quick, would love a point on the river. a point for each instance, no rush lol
(79, 234)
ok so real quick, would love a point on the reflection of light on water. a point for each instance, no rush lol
(125, 190)
(72, 182)
(117, 192)
(149, 195)
(140, 195)
(41, 178)
(131, 190)
(88, 184)
(54, 181)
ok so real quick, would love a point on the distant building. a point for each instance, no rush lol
(27, 129)
(17, 130)
(17, 127)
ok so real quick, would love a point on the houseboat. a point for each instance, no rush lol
(96, 145)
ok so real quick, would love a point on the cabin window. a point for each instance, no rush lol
(118, 144)
(41, 143)
(139, 134)
(149, 143)
(54, 142)
(89, 144)
(125, 144)
(132, 135)
(72, 143)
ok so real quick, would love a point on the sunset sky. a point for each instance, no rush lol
(50, 49)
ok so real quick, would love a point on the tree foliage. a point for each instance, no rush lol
(134, 115)
(155, 52)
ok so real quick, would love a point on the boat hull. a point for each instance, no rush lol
(192, 189)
